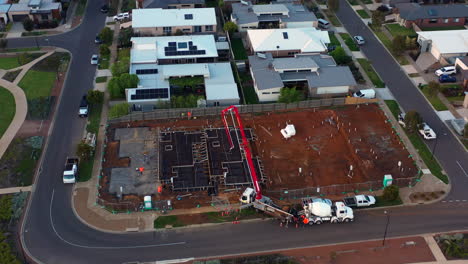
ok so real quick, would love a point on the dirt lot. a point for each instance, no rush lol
(327, 143)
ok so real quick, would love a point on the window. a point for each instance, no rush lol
(209, 28)
(147, 71)
(44, 17)
(167, 30)
(433, 21)
(446, 20)
(186, 30)
(292, 53)
(185, 5)
(197, 29)
(456, 20)
(275, 92)
(285, 35)
(265, 93)
(188, 17)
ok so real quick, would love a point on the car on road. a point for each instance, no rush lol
(104, 9)
(97, 40)
(447, 79)
(447, 70)
(83, 111)
(426, 131)
(359, 40)
(94, 59)
(122, 16)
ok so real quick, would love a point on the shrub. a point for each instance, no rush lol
(120, 67)
(290, 95)
(106, 35)
(28, 24)
(5, 208)
(465, 131)
(230, 27)
(3, 43)
(412, 121)
(119, 110)
(433, 89)
(84, 151)
(391, 193)
(95, 97)
(125, 35)
(340, 57)
(104, 50)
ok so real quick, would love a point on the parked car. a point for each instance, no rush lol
(427, 132)
(365, 93)
(97, 40)
(447, 79)
(122, 16)
(331, 48)
(447, 70)
(94, 59)
(359, 40)
(322, 23)
(104, 9)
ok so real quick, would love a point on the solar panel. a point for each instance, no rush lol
(147, 71)
(172, 44)
(145, 94)
(285, 35)
(188, 16)
(182, 45)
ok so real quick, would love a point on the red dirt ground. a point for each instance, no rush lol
(327, 143)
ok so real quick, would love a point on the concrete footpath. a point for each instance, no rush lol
(15, 189)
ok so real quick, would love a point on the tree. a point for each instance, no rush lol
(104, 50)
(119, 110)
(333, 5)
(398, 44)
(410, 43)
(465, 131)
(106, 35)
(5, 208)
(125, 35)
(290, 95)
(127, 80)
(412, 121)
(340, 56)
(120, 67)
(114, 88)
(95, 97)
(433, 89)
(3, 43)
(117, 85)
(84, 151)
(6, 255)
(178, 33)
(230, 27)
(28, 24)
(377, 19)
(391, 193)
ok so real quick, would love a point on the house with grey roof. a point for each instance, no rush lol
(278, 15)
(36, 10)
(318, 73)
(427, 16)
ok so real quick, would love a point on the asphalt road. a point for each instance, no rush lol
(53, 234)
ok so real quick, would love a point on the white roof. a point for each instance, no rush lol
(150, 49)
(448, 41)
(303, 39)
(149, 80)
(158, 17)
(180, 70)
(221, 84)
(272, 8)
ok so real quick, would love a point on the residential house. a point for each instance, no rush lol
(176, 4)
(462, 66)
(4, 7)
(36, 10)
(442, 46)
(158, 22)
(284, 15)
(317, 73)
(288, 41)
(426, 16)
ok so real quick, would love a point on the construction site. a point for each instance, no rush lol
(199, 161)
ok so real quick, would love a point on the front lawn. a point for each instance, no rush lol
(353, 2)
(363, 13)
(7, 63)
(388, 43)
(238, 49)
(366, 65)
(37, 83)
(7, 109)
(394, 108)
(332, 17)
(435, 101)
(101, 79)
(86, 170)
(80, 9)
(164, 220)
(333, 40)
(349, 42)
(396, 29)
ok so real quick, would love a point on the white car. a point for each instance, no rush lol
(122, 16)
(447, 70)
(359, 40)
(427, 131)
(94, 59)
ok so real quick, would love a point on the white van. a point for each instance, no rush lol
(323, 23)
(365, 93)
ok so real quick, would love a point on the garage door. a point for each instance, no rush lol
(19, 18)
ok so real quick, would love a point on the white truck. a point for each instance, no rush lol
(359, 201)
(319, 212)
(427, 132)
(70, 172)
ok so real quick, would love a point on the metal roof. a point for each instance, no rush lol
(414, 11)
(157, 17)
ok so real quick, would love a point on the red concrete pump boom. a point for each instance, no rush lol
(245, 146)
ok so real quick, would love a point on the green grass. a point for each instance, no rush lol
(86, 170)
(396, 29)
(94, 118)
(443, 28)
(33, 33)
(333, 39)
(238, 49)
(164, 220)
(366, 65)
(379, 202)
(215, 217)
(248, 90)
(101, 79)
(349, 42)
(412, 75)
(80, 9)
(7, 108)
(394, 108)
(332, 17)
(363, 13)
(435, 101)
(22, 49)
(7, 63)
(367, 2)
(104, 62)
(123, 53)
(353, 2)
(37, 83)
(388, 43)
(26, 168)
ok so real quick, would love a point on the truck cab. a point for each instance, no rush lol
(70, 172)
(83, 112)
(248, 196)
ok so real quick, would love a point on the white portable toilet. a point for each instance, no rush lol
(387, 180)
(288, 131)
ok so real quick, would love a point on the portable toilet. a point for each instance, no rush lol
(387, 180)
(148, 205)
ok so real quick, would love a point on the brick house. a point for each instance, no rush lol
(36, 10)
(426, 16)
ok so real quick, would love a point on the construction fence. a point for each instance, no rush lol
(119, 207)
(213, 111)
(338, 189)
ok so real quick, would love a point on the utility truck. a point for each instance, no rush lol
(359, 201)
(316, 213)
(70, 172)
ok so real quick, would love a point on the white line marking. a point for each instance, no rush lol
(457, 201)
(94, 247)
(463, 200)
(464, 171)
(444, 201)
(450, 201)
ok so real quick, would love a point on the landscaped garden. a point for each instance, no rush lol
(397, 29)
(7, 109)
(10, 62)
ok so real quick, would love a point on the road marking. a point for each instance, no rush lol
(457, 201)
(450, 201)
(444, 201)
(464, 171)
(96, 247)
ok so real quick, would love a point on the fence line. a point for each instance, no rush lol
(213, 111)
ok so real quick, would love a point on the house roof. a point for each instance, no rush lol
(165, 3)
(413, 11)
(150, 49)
(4, 8)
(303, 39)
(447, 41)
(19, 8)
(271, 8)
(221, 84)
(301, 62)
(265, 78)
(157, 17)
(332, 76)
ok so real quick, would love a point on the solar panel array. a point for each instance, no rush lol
(147, 71)
(150, 94)
(171, 49)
